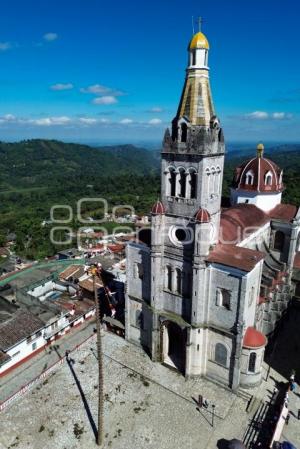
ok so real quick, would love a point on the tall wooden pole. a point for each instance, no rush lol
(99, 439)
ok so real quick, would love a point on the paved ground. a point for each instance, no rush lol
(153, 409)
(14, 380)
(146, 404)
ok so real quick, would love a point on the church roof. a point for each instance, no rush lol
(253, 339)
(258, 175)
(202, 216)
(284, 212)
(199, 40)
(235, 256)
(238, 222)
(158, 208)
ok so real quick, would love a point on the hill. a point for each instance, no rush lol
(37, 174)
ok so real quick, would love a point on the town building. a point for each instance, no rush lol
(40, 307)
(204, 295)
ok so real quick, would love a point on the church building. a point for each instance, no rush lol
(207, 291)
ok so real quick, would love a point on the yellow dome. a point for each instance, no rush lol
(199, 41)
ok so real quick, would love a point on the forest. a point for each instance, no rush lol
(37, 174)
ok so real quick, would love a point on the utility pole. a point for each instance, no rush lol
(95, 271)
(213, 415)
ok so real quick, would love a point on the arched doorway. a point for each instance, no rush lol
(173, 345)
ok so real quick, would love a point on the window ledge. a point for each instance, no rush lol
(218, 364)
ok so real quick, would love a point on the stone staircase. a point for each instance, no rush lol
(275, 287)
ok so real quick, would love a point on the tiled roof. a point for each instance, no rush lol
(259, 167)
(254, 339)
(202, 216)
(235, 256)
(158, 208)
(88, 284)
(20, 326)
(238, 222)
(72, 271)
(285, 212)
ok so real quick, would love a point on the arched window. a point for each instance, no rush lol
(217, 180)
(221, 354)
(194, 57)
(249, 178)
(182, 182)
(268, 178)
(183, 132)
(223, 298)
(171, 181)
(168, 277)
(212, 180)
(178, 281)
(279, 241)
(208, 174)
(252, 362)
(193, 183)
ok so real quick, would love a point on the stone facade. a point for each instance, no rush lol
(191, 301)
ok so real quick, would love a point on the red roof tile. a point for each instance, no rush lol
(238, 222)
(285, 212)
(202, 216)
(20, 326)
(253, 339)
(235, 256)
(259, 167)
(88, 284)
(72, 271)
(158, 208)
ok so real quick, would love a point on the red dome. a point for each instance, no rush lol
(202, 216)
(258, 174)
(254, 339)
(158, 208)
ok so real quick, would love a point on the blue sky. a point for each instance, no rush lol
(113, 71)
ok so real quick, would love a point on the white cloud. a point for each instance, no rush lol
(62, 86)
(50, 37)
(281, 115)
(5, 46)
(50, 121)
(126, 121)
(99, 89)
(156, 109)
(107, 99)
(155, 121)
(88, 121)
(258, 115)
(262, 115)
(9, 117)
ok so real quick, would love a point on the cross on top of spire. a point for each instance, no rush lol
(199, 21)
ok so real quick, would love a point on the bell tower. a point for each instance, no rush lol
(193, 150)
